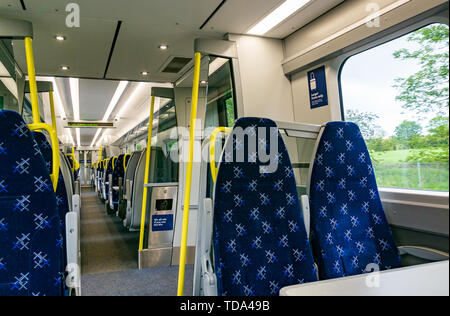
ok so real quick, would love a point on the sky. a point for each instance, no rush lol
(367, 84)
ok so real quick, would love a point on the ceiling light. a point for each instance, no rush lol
(163, 47)
(78, 137)
(144, 73)
(75, 94)
(96, 136)
(56, 94)
(285, 10)
(115, 99)
(203, 82)
(60, 38)
(130, 99)
(65, 68)
(70, 137)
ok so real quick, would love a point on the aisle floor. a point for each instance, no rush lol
(109, 257)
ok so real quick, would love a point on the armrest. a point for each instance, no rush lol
(209, 279)
(304, 201)
(76, 205)
(73, 279)
(423, 253)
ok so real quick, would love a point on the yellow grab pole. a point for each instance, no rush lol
(52, 109)
(147, 168)
(32, 80)
(187, 189)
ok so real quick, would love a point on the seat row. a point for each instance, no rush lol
(39, 227)
(257, 236)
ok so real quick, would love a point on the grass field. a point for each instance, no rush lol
(393, 171)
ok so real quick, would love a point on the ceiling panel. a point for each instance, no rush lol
(10, 5)
(306, 15)
(238, 16)
(95, 96)
(145, 25)
(245, 14)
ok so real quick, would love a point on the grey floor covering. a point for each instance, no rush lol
(109, 258)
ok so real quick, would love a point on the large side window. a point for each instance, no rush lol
(398, 94)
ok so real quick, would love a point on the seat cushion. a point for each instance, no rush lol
(30, 234)
(348, 225)
(260, 242)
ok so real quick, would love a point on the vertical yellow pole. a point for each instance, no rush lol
(147, 168)
(32, 80)
(52, 109)
(187, 188)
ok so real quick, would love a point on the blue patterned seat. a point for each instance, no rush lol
(108, 170)
(349, 230)
(62, 199)
(260, 241)
(117, 173)
(30, 234)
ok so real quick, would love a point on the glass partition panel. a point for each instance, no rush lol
(220, 107)
(8, 87)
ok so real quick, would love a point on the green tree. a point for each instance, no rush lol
(367, 123)
(427, 90)
(408, 132)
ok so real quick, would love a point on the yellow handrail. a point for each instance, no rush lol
(37, 125)
(32, 80)
(124, 162)
(52, 110)
(147, 168)
(212, 150)
(114, 162)
(187, 190)
(55, 149)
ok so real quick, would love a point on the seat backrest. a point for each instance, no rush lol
(349, 229)
(119, 169)
(260, 242)
(31, 242)
(62, 198)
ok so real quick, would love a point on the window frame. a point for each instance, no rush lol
(392, 34)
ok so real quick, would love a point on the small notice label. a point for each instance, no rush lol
(162, 223)
(318, 87)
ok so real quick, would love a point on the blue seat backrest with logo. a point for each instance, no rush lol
(30, 234)
(117, 173)
(62, 200)
(349, 230)
(260, 241)
(108, 171)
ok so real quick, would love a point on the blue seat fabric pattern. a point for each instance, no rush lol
(349, 229)
(30, 234)
(117, 173)
(260, 241)
(62, 200)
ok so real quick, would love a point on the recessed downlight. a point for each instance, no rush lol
(65, 68)
(144, 73)
(60, 38)
(163, 47)
(203, 82)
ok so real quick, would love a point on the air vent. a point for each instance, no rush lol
(176, 65)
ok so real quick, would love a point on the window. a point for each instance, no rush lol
(220, 109)
(398, 94)
(8, 87)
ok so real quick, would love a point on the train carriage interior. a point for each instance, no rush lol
(224, 148)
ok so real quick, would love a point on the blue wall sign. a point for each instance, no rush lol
(162, 223)
(317, 82)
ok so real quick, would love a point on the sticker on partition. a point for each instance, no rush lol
(162, 223)
(317, 82)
